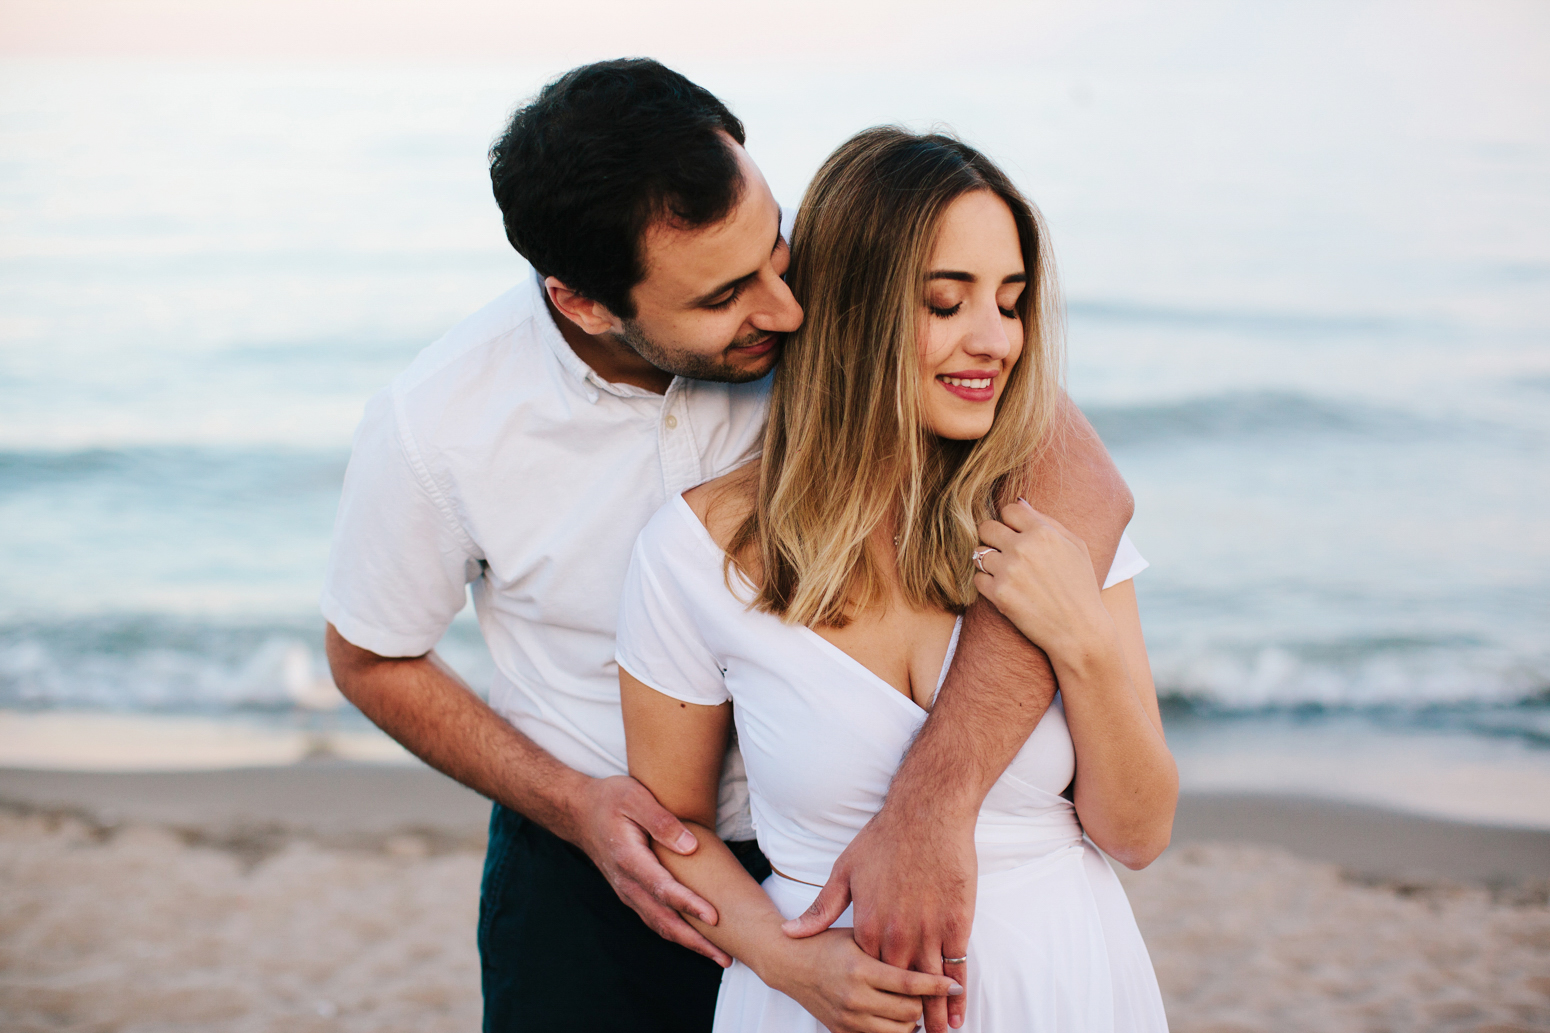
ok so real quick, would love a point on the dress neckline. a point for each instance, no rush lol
(869, 675)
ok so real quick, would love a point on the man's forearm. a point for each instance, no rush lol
(1000, 688)
(424, 705)
(1000, 684)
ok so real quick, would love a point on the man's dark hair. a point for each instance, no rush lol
(584, 168)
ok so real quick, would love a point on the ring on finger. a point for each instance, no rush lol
(954, 961)
(979, 558)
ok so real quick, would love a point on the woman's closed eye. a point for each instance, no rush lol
(948, 313)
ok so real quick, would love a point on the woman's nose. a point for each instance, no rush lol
(987, 333)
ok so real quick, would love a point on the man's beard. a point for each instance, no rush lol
(689, 364)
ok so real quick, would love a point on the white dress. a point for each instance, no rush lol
(1054, 945)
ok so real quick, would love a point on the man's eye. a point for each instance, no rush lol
(728, 300)
(945, 312)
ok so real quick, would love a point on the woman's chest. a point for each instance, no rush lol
(904, 648)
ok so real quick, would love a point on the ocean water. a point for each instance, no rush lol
(1307, 270)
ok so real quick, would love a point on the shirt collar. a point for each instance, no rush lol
(591, 384)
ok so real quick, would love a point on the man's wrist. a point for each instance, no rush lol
(940, 803)
(571, 801)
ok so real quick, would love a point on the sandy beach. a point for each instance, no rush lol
(344, 896)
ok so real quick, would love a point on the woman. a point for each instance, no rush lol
(818, 588)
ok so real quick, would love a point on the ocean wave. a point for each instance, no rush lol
(1376, 674)
(1258, 323)
(161, 664)
(1258, 413)
(210, 469)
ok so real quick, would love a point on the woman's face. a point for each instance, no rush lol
(972, 334)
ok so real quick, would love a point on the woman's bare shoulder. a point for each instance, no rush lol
(724, 503)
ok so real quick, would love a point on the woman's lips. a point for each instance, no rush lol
(971, 385)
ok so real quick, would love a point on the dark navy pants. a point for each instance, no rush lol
(560, 950)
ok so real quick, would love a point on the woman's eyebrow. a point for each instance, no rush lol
(950, 274)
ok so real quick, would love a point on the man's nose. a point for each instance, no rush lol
(780, 312)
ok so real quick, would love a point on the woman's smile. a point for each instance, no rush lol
(971, 385)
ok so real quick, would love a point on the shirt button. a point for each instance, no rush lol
(671, 421)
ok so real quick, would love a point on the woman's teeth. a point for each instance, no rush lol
(960, 382)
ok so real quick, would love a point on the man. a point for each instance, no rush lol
(521, 454)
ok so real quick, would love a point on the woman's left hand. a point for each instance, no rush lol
(1040, 576)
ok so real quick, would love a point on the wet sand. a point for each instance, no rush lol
(345, 896)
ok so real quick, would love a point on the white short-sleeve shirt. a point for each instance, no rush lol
(500, 459)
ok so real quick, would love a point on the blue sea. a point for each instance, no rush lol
(1307, 277)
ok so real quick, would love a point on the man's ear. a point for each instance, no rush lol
(593, 317)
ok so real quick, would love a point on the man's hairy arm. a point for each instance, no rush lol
(1000, 684)
(911, 872)
(424, 705)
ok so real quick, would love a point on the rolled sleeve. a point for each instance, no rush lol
(400, 563)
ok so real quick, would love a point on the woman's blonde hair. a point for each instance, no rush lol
(846, 439)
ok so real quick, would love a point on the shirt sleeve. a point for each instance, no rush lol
(1128, 562)
(400, 562)
(659, 639)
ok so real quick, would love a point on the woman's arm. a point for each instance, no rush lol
(1126, 782)
(676, 751)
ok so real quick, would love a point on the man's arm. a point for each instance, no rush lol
(430, 710)
(911, 872)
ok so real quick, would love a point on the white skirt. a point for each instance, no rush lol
(1054, 948)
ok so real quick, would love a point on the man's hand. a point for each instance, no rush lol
(423, 704)
(912, 879)
(619, 818)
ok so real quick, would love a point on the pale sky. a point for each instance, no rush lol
(523, 30)
(1508, 40)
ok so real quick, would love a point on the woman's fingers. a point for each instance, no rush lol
(997, 535)
(1037, 532)
(1020, 516)
(913, 984)
(887, 1007)
(900, 995)
(1023, 517)
(878, 1024)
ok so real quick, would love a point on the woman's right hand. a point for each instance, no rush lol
(1040, 576)
(848, 990)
